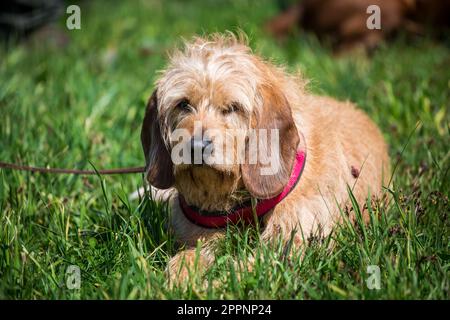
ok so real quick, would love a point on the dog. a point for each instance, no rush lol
(325, 147)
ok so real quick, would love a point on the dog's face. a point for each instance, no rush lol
(206, 102)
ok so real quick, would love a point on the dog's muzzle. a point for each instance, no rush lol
(200, 147)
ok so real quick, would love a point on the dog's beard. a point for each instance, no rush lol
(209, 188)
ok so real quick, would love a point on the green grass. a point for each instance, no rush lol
(84, 102)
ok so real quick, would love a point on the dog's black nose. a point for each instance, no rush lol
(198, 146)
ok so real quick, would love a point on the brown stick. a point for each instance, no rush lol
(18, 167)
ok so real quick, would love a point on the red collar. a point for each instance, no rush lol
(245, 213)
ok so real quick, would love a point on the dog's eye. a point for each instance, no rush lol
(231, 108)
(183, 104)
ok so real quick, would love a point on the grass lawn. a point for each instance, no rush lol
(82, 103)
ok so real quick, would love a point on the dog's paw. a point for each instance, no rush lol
(186, 266)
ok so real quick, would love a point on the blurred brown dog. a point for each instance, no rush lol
(343, 22)
(220, 83)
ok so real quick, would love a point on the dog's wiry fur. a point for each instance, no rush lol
(219, 71)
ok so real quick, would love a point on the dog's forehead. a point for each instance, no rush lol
(218, 75)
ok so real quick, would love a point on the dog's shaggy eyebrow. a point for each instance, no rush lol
(187, 72)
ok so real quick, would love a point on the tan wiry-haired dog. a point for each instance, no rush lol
(325, 146)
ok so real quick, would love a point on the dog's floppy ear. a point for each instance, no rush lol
(159, 167)
(274, 114)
